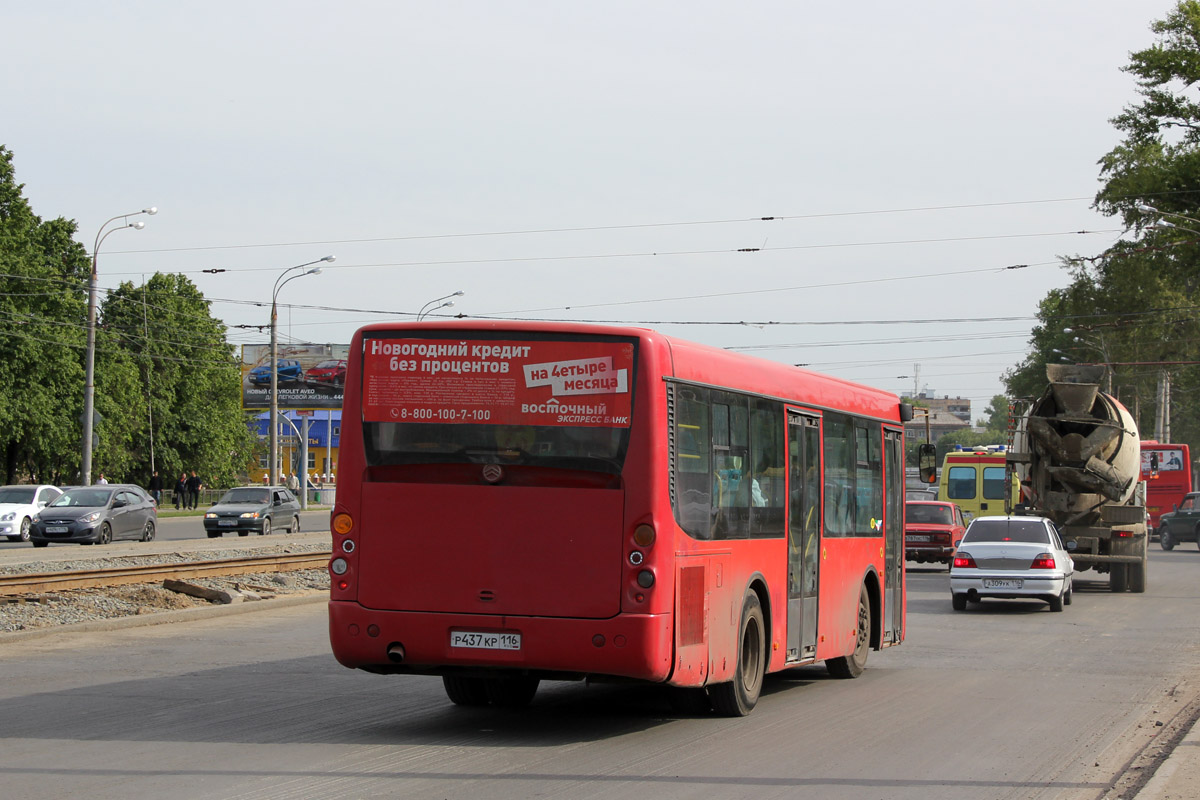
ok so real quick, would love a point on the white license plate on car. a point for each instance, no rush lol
(485, 641)
(918, 537)
(227, 523)
(56, 529)
(1008, 583)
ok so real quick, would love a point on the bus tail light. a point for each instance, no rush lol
(964, 561)
(1043, 561)
(645, 579)
(338, 566)
(644, 536)
(342, 523)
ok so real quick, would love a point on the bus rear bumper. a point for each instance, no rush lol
(637, 646)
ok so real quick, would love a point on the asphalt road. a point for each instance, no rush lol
(1007, 700)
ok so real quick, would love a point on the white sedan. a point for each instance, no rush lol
(1011, 557)
(18, 505)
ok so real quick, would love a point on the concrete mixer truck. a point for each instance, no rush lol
(1077, 455)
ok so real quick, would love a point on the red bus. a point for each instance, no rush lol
(1167, 471)
(520, 502)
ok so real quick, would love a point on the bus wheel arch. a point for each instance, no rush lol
(737, 697)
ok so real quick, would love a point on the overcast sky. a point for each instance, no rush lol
(594, 161)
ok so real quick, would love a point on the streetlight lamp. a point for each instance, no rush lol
(273, 421)
(1167, 225)
(89, 378)
(425, 310)
(1146, 208)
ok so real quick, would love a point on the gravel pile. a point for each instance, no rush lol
(83, 605)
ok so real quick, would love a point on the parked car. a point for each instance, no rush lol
(287, 369)
(1011, 557)
(19, 504)
(328, 373)
(1182, 524)
(253, 509)
(931, 530)
(96, 515)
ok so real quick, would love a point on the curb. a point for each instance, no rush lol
(1168, 782)
(166, 617)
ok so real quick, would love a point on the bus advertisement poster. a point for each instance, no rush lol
(498, 382)
(307, 375)
(1169, 459)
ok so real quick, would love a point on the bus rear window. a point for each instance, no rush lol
(560, 404)
(596, 449)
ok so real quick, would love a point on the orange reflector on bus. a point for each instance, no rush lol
(343, 523)
(643, 535)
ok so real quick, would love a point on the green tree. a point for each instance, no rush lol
(179, 383)
(996, 421)
(43, 301)
(1134, 305)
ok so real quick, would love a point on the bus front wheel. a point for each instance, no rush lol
(851, 666)
(737, 697)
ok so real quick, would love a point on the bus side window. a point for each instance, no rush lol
(693, 475)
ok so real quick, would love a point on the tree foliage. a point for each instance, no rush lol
(1134, 306)
(43, 300)
(167, 385)
(182, 396)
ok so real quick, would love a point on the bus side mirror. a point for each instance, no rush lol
(927, 463)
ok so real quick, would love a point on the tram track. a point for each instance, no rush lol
(19, 585)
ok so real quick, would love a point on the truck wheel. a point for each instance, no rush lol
(1137, 572)
(737, 698)
(1165, 540)
(1118, 577)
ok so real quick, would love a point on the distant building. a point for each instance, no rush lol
(324, 437)
(946, 415)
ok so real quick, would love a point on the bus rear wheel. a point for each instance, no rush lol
(737, 697)
(465, 691)
(511, 692)
(852, 666)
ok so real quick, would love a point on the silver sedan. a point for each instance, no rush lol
(1011, 557)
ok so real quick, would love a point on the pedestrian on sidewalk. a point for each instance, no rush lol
(181, 492)
(194, 485)
(155, 488)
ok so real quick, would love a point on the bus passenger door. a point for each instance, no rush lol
(804, 534)
(893, 533)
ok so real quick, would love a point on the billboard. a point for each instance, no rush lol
(308, 375)
(574, 383)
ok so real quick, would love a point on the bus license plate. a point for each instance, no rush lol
(1003, 584)
(918, 537)
(485, 641)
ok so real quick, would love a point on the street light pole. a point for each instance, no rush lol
(273, 422)
(424, 312)
(89, 370)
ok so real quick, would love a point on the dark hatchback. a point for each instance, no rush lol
(96, 515)
(253, 509)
